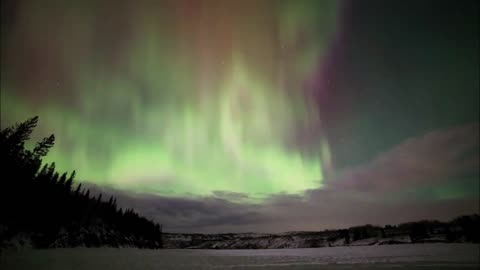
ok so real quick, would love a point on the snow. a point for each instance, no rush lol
(408, 256)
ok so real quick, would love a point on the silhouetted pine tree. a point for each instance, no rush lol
(41, 202)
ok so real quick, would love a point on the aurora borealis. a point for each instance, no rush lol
(174, 97)
(243, 114)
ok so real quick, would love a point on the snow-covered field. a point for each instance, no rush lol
(408, 256)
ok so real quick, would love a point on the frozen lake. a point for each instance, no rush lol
(409, 256)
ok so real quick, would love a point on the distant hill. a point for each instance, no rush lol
(460, 230)
(42, 208)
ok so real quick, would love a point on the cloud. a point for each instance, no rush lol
(185, 214)
(378, 192)
(429, 159)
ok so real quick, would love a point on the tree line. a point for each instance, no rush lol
(460, 229)
(52, 210)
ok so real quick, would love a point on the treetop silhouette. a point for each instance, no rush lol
(41, 202)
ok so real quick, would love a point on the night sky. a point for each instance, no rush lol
(215, 116)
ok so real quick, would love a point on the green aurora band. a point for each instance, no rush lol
(175, 98)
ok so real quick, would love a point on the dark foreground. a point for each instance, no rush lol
(408, 256)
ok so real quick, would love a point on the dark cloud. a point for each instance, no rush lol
(186, 214)
(378, 192)
(231, 196)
